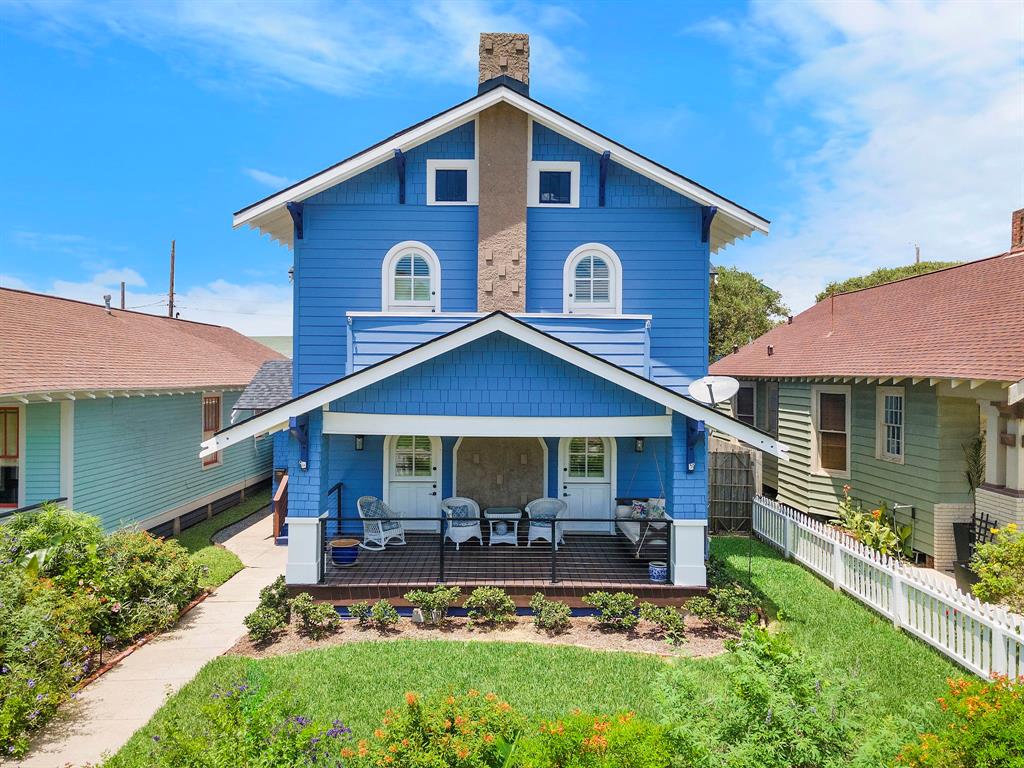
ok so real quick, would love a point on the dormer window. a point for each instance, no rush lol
(592, 281)
(411, 277)
(452, 182)
(554, 184)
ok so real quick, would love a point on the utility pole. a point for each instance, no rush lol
(917, 253)
(122, 294)
(170, 294)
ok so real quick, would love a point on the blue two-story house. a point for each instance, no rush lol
(498, 304)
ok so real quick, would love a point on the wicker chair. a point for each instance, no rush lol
(380, 524)
(463, 520)
(541, 512)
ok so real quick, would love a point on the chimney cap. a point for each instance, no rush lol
(504, 60)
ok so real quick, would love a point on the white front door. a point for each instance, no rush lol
(414, 480)
(588, 464)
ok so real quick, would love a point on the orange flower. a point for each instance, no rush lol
(876, 513)
(489, 738)
(379, 733)
(410, 699)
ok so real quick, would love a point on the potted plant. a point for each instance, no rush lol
(344, 552)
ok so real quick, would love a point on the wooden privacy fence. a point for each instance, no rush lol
(733, 479)
(984, 638)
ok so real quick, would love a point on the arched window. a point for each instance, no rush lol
(411, 279)
(592, 281)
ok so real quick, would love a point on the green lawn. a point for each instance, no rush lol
(898, 677)
(220, 564)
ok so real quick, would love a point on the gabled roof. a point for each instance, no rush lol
(963, 322)
(270, 216)
(496, 322)
(49, 344)
(269, 388)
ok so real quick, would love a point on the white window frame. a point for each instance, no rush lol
(472, 180)
(752, 386)
(880, 433)
(816, 391)
(387, 278)
(218, 458)
(533, 182)
(19, 461)
(614, 306)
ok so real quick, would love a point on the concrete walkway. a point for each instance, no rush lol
(107, 712)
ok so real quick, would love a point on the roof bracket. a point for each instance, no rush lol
(707, 215)
(298, 426)
(295, 209)
(603, 177)
(694, 434)
(400, 167)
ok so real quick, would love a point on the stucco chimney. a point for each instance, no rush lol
(502, 137)
(505, 55)
(1017, 230)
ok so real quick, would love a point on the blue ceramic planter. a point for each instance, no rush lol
(657, 571)
(344, 552)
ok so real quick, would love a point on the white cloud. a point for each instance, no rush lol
(254, 309)
(341, 48)
(266, 178)
(911, 133)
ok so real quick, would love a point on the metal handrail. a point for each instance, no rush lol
(7, 513)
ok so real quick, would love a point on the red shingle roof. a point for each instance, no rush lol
(49, 344)
(963, 322)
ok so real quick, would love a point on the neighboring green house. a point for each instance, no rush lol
(881, 389)
(105, 407)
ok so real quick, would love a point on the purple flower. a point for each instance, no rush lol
(32, 683)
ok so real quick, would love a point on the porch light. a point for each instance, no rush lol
(638, 444)
(359, 442)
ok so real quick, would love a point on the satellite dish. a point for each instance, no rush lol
(712, 390)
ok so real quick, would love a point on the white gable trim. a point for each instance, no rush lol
(345, 423)
(268, 215)
(502, 323)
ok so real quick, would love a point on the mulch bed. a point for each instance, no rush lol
(701, 639)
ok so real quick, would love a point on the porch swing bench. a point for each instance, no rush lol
(643, 521)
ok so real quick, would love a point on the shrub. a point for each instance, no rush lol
(669, 620)
(775, 712)
(275, 597)
(588, 741)
(434, 604)
(384, 615)
(317, 620)
(1000, 567)
(550, 615)
(447, 730)
(727, 606)
(242, 726)
(876, 528)
(615, 610)
(490, 605)
(361, 612)
(984, 728)
(57, 543)
(263, 623)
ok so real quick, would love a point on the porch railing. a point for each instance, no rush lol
(280, 505)
(520, 553)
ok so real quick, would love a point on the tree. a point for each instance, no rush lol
(883, 275)
(742, 308)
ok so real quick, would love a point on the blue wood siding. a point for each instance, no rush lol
(656, 234)
(42, 452)
(622, 342)
(349, 228)
(497, 376)
(135, 458)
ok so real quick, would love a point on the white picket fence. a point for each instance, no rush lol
(984, 638)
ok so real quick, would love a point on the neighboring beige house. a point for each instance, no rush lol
(882, 388)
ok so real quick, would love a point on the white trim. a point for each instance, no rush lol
(193, 504)
(517, 330)
(337, 423)
(522, 315)
(840, 389)
(437, 453)
(614, 308)
(1015, 393)
(270, 215)
(472, 180)
(388, 303)
(202, 426)
(49, 395)
(536, 167)
(67, 452)
(611, 454)
(880, 452)
(455, 463)
(19, 463)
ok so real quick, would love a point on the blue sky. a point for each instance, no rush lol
(859, 129)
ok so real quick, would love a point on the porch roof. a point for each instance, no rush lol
(497, 322)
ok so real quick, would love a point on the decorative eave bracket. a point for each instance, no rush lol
(298, 426)
(707, 215)
(694, 435)
(400, 169)
(295, 209)
(603, 177)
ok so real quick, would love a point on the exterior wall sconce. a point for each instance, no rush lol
(638, 444)
(359, 442)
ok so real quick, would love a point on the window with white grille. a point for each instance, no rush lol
(593, 281)
(411, 279)
(889, 424)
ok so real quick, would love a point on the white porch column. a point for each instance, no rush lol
(67, 452)
(995, 451)
(686, 560)
(304, 552)
(1015, 456)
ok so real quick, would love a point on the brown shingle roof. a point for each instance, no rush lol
(963, 322)
(49, 344)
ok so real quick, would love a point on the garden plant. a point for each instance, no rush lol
(489, 605)
(999, 565)
(616, 610)
(435, 603)
(551, 616)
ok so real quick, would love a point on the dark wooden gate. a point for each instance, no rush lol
(732, 484)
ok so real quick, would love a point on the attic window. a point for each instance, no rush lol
(554, 184)
(452, 182)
